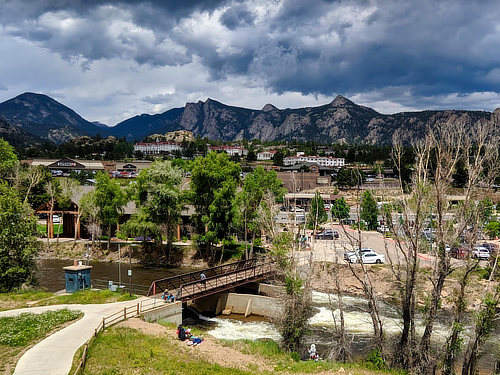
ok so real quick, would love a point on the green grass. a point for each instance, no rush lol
(127, 351)
(85, 297)
(42, 229)
(287, 362)
(20, 299)
(19, 332)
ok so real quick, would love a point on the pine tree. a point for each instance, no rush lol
(369, 210)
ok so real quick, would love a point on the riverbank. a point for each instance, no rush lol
(69, 249)
(386, 286)
(154, 349)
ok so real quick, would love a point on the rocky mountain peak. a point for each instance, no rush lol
(269, 107)
(341, 101)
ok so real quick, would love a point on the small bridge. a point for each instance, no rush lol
(189, 286)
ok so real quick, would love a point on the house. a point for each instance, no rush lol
(59, 167)
(230, 150)
(155, 148)
(266, 155)
(323, 161)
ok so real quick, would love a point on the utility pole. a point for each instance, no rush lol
(119, 267)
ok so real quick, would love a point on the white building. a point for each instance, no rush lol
(154, 148)
(322, 161)
(230, 150)
(265, 155)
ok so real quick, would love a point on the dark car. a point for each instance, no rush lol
(327, 234)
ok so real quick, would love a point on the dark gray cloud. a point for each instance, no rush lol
(411, 53)
(237, 16)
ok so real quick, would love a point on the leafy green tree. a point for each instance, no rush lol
(486, 208)
(317, 215)
(110, 199)
(213, 185)
(249, 199)
(18, 245)
(157, 192)
(89, 212)
(8, 158)
(461, 175)
(493, 229)
(141, 225)
(369, 210)
(340, 209)
(350, 177)
(278, 158)
(252, 155)
(31, 184)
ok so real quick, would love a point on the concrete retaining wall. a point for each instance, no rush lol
(251, 304)
(271, 290)
(170, 312)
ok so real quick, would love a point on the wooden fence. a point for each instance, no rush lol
(108, 321)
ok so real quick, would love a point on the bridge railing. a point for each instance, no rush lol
(174, 282)
(228, 280)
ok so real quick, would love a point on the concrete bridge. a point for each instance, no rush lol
(190, 286)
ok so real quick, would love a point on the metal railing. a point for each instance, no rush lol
(174, 282)
(121, 315)
(218, 283)
(132, 288)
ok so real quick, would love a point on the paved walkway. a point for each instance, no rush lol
(54, 355)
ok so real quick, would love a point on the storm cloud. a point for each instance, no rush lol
(394, 55)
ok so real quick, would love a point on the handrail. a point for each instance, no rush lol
(216, 283)
(174, 282)
(118, 316)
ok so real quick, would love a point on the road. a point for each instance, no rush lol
(330, 250)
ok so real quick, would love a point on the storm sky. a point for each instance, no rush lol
(110, 60)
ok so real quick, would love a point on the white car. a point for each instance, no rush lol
(481, 253)
(368, 258)
(349, 254)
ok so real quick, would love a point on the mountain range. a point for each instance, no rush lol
(38, 117)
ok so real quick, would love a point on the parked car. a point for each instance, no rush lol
(383, 229)
(349, 254)
(492, 247)
(368, 258)
(481, 253)
(348, 221)
(327, 234)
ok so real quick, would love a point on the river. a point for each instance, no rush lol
(50, 274)
(358, 327)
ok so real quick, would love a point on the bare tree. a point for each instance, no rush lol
(426, 206)
(362, 276)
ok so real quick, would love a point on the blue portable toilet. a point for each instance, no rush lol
(77, 277)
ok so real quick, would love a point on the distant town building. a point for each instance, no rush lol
(265, 155)
(63, 167)
(323, 161)
(230, 150)
(155, 148)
